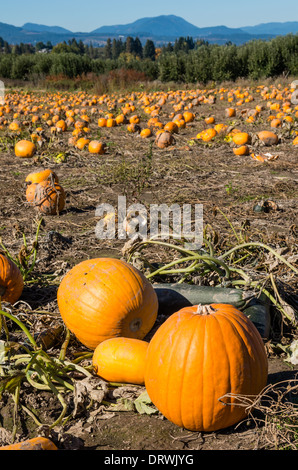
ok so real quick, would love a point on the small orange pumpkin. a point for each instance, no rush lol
(241, 138)
(208, 134)
(96, 146)
(188, 116)
(102, 122)
(25, 149)
(230, 112)
(242, 150)
(145, 133)
(81, 143)
(171, 127)
(121, 360)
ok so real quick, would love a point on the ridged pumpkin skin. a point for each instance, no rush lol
(11, 280)
(36, 443)
(105, 297)
(198, 355)
(121, 360)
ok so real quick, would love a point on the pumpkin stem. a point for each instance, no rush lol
(205, 309)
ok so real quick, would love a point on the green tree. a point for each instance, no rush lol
(149, 50)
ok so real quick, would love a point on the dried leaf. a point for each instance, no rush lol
(143, 404)
(90, 387)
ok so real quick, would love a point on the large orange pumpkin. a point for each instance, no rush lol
(121, 360)
(198, 355)
(11, 280)
(103, 298)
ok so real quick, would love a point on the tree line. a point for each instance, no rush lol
(185, 60)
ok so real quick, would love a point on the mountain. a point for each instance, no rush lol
(161, 29)
(268, 28)
(171, 27)
(16, 35)
(41, 28)
(164, 25)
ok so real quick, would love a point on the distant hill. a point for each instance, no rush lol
(40, 28)
(270, 28)
(161, 29)
(164, 25)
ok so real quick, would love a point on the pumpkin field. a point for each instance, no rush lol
(93, 355)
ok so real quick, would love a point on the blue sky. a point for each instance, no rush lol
(87, 15)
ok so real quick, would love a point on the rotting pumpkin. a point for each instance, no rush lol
(104, 298)
(47, 197)
(200, 362)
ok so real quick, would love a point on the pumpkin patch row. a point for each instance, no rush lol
(150, 115)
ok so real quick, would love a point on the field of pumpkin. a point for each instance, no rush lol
(143, 344)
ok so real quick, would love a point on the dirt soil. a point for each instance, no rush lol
(188, 172)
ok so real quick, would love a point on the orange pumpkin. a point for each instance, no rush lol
(61, 125)
(145, 133)
(102, 122)
(242, 150)
(81, 143)
(207, 134)
(171, 127)
(121, 360)
(36, 443)
(268, 137)
(11, 280)
(230, 112)
(103, 298)
(199, 355)
(24, 149)
(111, 122)
(41, 175)
(96, 147)
(241, 138)
(133, 128)
(188, 116)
